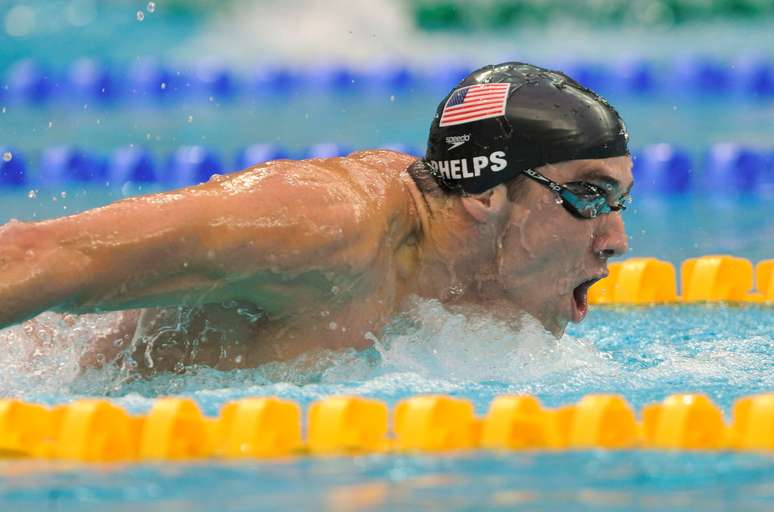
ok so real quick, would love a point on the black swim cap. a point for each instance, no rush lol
(503, 119)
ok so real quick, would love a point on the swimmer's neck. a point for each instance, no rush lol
(454, 262)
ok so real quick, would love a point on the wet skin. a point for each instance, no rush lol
(291, 256)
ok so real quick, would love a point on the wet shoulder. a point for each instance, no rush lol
(369, 169)
(374, 180)
(379, 177)
(377, 172)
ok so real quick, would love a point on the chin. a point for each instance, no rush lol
(559, 330)
(556, 325)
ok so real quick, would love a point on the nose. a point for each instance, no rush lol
(610, 237)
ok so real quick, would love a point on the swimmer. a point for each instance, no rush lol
(515, 208)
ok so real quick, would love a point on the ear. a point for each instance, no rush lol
(489, 206)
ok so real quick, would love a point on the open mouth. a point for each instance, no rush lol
(580, 299)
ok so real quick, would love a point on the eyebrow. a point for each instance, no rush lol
(597, 175)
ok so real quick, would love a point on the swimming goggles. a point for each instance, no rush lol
(583, 200)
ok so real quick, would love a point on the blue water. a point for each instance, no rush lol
(358, 121)
(545, 482)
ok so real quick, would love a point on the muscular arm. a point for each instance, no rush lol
(277, 235)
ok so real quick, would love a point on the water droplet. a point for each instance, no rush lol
(63, 194)
(140, 15)
(163, 85)
(324, 313)
(251, 315)
(332, 326)
(456, 290)
(2, 110)
(392, 97)
(558, 200)
(190, 119)
(100, 358)
(32, 194)
(51, 124)
(7, 156)
(237, 359)
(126, 188)
(151, 6)
(335, 290)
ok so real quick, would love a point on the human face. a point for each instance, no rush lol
(549, 258)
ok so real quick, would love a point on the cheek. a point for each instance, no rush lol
(544, 238)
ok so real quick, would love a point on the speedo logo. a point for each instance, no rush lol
(470, 168)
(456, 141)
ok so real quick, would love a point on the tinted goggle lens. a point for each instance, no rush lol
(587, 201)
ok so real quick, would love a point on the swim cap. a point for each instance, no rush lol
(505, 118)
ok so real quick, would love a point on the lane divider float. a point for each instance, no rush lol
(96, 430)
(712, 278)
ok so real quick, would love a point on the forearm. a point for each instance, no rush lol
(36, 274)
(141, 252)
(99, 259)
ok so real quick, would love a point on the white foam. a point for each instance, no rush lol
(429, 349)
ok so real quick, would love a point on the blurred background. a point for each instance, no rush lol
(104, 99)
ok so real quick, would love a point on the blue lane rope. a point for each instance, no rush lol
(148, 80)
(659, 169)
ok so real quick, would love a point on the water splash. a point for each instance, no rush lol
(41, 357)
(644, 354)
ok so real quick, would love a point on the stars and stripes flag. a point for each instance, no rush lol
(473, 103)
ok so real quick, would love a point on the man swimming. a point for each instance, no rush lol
(515, 208)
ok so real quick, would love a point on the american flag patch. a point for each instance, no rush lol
(473, 103)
